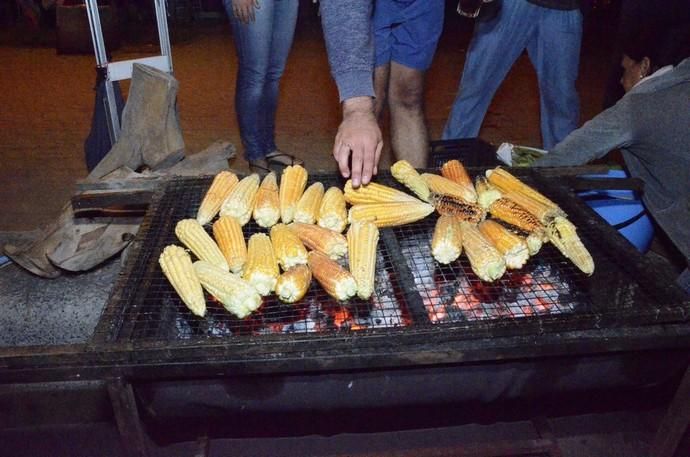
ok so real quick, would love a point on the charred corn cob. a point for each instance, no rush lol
(447, 205)
(362, 238)
(410, 178)
(485, 260)
(236, 295)
(309, 204)
(220, 188)
(446, 243)
(331, 243)
(293, 285)
(240, 202)
(534, 241)
(267, 204)
(440, 185)
(512, 246)
(456, 172)
(374, 193)
(335, 280)
(512, 213)
(292, 184)
(506, 182)
(333, 211)
(193, 235)
(288, 248)
(390, 214)
(543, 212)
(486, 193)
(261, 269)
(228, 234)
(177, 267)
(563, 235)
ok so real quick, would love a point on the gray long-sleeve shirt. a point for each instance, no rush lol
(651, 126)
(347, 29)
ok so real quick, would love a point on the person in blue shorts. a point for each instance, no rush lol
(406, 33)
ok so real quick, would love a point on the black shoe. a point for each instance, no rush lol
(282, 159)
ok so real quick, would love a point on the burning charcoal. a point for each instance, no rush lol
(183, 329)
(214, 327)
(307, 325)
(385, 316)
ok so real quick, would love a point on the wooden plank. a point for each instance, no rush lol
(675, 422)
(127, 417)
(123, 203)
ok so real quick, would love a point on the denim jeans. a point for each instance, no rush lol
(262, 50)
(552, 39)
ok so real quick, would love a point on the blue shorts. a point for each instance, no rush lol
(407, 31)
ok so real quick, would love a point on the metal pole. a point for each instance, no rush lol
(163, 35)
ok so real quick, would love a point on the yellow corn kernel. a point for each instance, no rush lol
(447, 205)
(287, 247)
(293, 285)
(486, 193)
(228, 234)
(440, 185)
(267, 204)
(512, 246)
(534, 241)
(292, 184)
(512, 213)
(374, 193)
(333, 211)
(220, 188)
(261, 269)
(335, 280)
(240, 202)
(506, 182)
(193, 235)
(446, 243)
(390, 214)
(235, 294)
(563, 235)
(486, 262)
(406, 174)
(456, 172)
(331, 243)
(362, 239)
(543, 212)
(309, 204)
(177, 267)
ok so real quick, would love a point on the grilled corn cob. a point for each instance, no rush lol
(177, 267)
(362, 238)
(440, 185)
(486, 193)
(335, 280)
(390, 214)
(410, 178)
(308, 206)
(512, 213)
(333, 211)
(228, 234)
(506, 182)
(267, 204)
(293, 285)
(447, 205)
(485, 260)
(446, 243)
(292, 184)
(220, 188)
(562, 234)
(287, 247)
(456, 172)
(236, 294)
(543, 212)
(240, 202)
(374, 193)
(193, 235)
(512, 246)
(331, 243)
(534, 241)
(261, 269)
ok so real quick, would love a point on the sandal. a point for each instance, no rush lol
(282, 159)
(261, 166)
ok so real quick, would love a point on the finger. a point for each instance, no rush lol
(256, 4)
(357, 165)
(342, 156)
(377, 158)
(368, 158)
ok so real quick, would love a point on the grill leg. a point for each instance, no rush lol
(675, 422)
(127, 417)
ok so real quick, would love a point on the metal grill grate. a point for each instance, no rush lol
(414, 294)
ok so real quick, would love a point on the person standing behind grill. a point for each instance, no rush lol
(262, 31)
(651, 126)
(406, 34)
(551, 31)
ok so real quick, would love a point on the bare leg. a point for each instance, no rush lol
(381, 75)
(409, 135)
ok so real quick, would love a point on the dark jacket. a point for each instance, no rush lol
(557, 4)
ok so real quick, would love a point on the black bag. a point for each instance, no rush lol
(98, 143)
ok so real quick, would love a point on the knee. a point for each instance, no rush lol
(251, 77)
(407, 94)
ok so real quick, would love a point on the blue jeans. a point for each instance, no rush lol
(262, 50)
(552, 39)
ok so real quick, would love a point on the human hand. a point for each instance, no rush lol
(244, 10)
(359, 135)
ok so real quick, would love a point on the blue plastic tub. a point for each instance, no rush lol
(623, 209)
